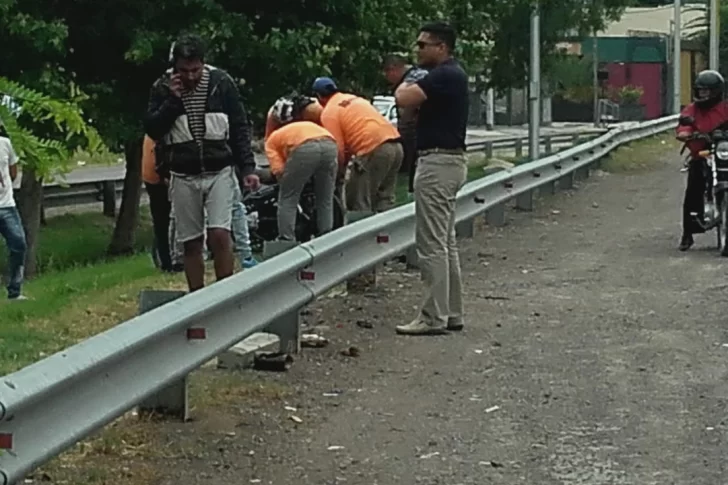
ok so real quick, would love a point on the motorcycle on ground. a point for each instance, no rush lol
(261, 209)
(714, 162)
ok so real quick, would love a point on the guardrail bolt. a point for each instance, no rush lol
(196, 333)
(6, 441)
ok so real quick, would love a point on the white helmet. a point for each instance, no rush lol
(283, 110)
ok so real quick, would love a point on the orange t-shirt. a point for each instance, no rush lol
(149, 171)
(311, 113)
(357, 126)
(289, 137)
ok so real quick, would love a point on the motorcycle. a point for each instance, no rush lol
(261, 209)
(714, 161)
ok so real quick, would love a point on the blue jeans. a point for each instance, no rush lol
(11, 229)
(241, 234)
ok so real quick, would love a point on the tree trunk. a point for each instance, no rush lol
(122, 242)
(30, 200)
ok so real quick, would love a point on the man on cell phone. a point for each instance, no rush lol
(196, 116)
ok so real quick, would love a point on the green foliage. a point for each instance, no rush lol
(63, 120)
(115, 49)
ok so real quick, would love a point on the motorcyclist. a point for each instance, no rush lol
(706, 113)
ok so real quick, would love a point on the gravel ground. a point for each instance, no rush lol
(594, 354)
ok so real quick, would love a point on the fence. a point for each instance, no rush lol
(48, 406)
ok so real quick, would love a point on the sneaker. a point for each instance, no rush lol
(249, 262)
(18, 298)
(419, 327)
(686, 242)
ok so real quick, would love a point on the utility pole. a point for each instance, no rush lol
(534, 89)
(676, 53)
(595, 80)
(714, 35)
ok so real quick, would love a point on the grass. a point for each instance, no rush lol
(641, 155)
(71, 240)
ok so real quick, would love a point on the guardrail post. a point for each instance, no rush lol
(171, 400)
(412, 261)
(519, 147)
(547, 188)
(488, 150)
(367, 280)
(465, 229)
(496, 215)
(109, 194)
(567, 181)
(548, 146)
(524, 201)
(575, 140)
(287, 327)
(582, 173)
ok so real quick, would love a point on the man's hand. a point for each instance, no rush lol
(683, 136)
(175, 85)
(251, 182)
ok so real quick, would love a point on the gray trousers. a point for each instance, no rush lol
(313, 159)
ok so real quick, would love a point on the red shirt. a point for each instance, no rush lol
(706, 120)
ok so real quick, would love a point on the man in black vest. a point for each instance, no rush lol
(397, 71)
(442, 97)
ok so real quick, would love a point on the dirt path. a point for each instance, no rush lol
(600, 344)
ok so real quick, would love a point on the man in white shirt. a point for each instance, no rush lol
(11, 227)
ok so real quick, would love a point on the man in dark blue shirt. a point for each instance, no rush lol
(442, 96)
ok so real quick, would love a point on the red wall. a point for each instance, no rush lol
(646, 75)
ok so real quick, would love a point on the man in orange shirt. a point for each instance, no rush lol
(359, 129)
(298, 151)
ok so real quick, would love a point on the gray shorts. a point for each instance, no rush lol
(194, 195)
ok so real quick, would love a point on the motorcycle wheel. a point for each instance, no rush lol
(723, 225)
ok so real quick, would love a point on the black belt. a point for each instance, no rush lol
(444, 151)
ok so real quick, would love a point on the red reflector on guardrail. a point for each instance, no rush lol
(382, 238)
(307, 275)
(6, 441)
(196, 334)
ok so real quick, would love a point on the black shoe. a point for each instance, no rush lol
(686, 242)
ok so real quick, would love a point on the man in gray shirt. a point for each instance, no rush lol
(397, 70)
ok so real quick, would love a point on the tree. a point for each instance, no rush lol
(42, 156)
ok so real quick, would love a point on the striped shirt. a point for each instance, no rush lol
(194, 103)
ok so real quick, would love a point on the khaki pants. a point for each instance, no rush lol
(373, 179)
(438, 178)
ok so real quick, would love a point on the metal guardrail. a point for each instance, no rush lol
(47, 407)
(109, 190)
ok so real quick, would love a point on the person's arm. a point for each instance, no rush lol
(163, 109)
(239, 128)
(330, 121)
(683, 132)
(12, 161)
(275, 153)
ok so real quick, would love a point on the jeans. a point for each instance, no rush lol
(160, 207)
(241, 234)
(11, 229)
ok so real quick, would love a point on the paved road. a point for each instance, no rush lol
(602, 347)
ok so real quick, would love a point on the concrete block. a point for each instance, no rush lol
(524, 201)
(242, 354)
